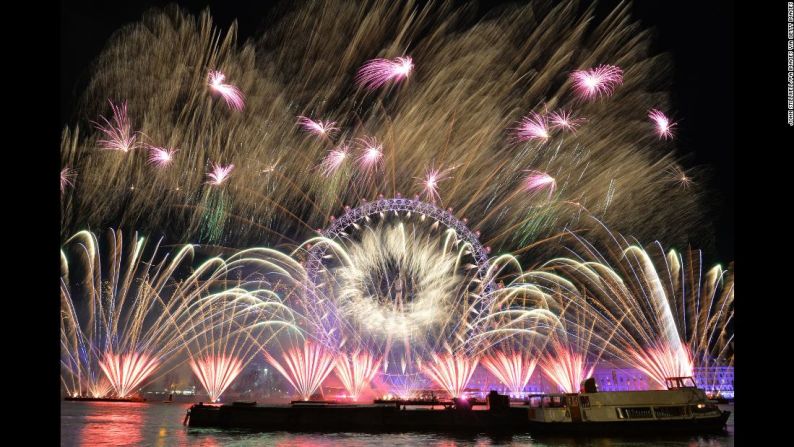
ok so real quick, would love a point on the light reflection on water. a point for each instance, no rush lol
(158, 424)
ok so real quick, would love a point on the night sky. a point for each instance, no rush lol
(699, 35)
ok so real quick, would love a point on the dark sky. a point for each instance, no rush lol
(699, 35)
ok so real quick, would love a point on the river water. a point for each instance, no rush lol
(159, 424)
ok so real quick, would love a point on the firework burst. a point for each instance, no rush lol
(356, 371)
(304, 368)
(230, 93)
(219, 174)
(371, 153)
(533, 127)
(596, 82)
(127, 371)
(334, 160)
(67, 178)
(537, 181)
(450, 372)
(565, 120)
(320, 128)
(512, 370)
(664, 127)
(216, 373)
(378, 72)
(117, 134)
(161, 156)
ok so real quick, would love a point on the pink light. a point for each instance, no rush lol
(161, 156)
(566, 368)
(372, 153)
(430, 183)
(231, 94)
(126, 372)
(305, 369)
(512, 370)
(117, 134)
(67, 178)
(321, 128)
(533, 127)
(356, 371)
(219, 174)
(452, 373)
(662, 362)
(537, 180)
(664, 128)
(377, 72)
(564, 120)
(216, 373)
(595, 82)
(333, 161)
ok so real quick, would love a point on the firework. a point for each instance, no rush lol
(596, 82)
(356, 371)
(533, 127)
(117, 134)
(451, 372)
(127, 371)
(230, 93)
(160, 156)
(371, 153)
(334, 160)
(321, 128)
(378, 72)
(67, 178)
(305, 368)
(512, 370)
(664, 127)
(564, 120)
(430, 183)
(216, 373)
(566, 367)
(536, 181)
(219, 174)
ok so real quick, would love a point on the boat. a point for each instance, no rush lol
(104, 399)
(681, 408)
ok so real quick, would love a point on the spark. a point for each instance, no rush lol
(595, 82)
(117, 134)
(664, 128)
(161, 156)
(127, 371)
(371, 153)
(334, 159)
(450, 372)
(537, 180)
(564, 120)
(231, 94)
(321, 128)
(356, 371)
(533, 127)
(377, 72)
(216, 373)
(305, 369)
(67, 178)
(219, 174)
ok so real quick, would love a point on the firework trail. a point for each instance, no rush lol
(457, 112)
(378, 72)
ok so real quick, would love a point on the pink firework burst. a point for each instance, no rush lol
(67, 178)
(537, 181)
(231, 94)
(127, 371)
(333, 161)
(356, 371)
(161, 156)
(664, 128)
(117, 133)
(321, 128)
(430, 183)
(659, 363)
(564, 120)
(216, 373)
(305, 368)
(450, 372)
(566, 368)
(533, 127)
(595, 82)
(377, 72)
(219, 174)
(513, 370)
(371, 153)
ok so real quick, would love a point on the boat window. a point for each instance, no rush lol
(584, 401)
(621, 413)
(669, 412)
(638, 412)
(535, 401)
